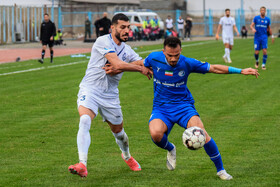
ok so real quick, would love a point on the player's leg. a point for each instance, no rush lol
(88, 109)
(211, 149)
(44, 47)
(51, 50)
(113, 116)
(230, 48)
(257, 46)
(226, 44)
(159, 132)
(264, 59)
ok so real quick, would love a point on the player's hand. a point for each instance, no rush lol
(146, 71)
(254, 30)
(272, 40)
(250, 71)
(51, 38)
(217, 37)
(238, 34)
(110, 70)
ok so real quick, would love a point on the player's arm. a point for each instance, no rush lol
(271, 34)
(123, 66)
(218, 31)
(222, 69)
(236, 30)
(252, 26)
(113, 71)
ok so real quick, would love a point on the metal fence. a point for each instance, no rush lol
(22, 24)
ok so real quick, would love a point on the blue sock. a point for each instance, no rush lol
(264, 59)
(164, 143)
(214, 154)
(257, 57)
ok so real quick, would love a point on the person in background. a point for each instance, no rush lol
(169, 22)
(58, 38)
(188, 27)
(96, 24)
(87, 28)
(104, 24)
(48, 31)
(244, 31)
(180, 25)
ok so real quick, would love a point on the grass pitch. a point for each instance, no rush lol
(39, 124)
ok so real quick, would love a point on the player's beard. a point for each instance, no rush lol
(118, 36)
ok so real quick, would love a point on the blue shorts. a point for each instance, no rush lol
(174, 113)
(260, 43)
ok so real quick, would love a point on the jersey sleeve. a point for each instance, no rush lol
(221, 21)
(268, 21)
(233, 21)
(133, 55)
(198, 66)
(255, 20)
(104, 46)
(147, 61)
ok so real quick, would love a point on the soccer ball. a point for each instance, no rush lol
(194, 138)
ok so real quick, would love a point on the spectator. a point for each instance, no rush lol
(155, 22)
(188, 27)
(58, 38)
(147, 32)
(130, 35)
(146, 22)
(169, 22)
(87, 28)
(104, 25)
(244, 31)
(96, 24)
(180, 25)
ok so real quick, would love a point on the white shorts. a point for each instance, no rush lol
(109, 108)
(228, 40)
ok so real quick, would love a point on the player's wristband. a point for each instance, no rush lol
(232, 70)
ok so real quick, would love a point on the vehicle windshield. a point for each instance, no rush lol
(150, 17)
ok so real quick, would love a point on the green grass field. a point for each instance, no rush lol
(39, 124)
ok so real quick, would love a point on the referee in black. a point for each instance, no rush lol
(48, 31)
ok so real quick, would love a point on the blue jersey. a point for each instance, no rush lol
(261, 25)
(170, 83)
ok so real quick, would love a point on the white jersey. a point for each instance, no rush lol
(180, 23)
(96, 80)
(169, 23)
(227, 24)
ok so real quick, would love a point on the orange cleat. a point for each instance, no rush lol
(133, 164)
(79, 169)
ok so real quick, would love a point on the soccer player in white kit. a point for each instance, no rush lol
(99, 91)
(227, 22)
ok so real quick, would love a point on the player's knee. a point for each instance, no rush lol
(156, 136)
(85, 122)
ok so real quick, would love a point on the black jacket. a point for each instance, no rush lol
(47, 30)
(106, 24)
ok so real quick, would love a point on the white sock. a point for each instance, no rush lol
(227, 53)
(83, 138)
(122, 141)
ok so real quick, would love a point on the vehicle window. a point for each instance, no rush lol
(129, 17)
(136, 19)
(150, 17)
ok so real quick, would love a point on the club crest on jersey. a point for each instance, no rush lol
(181, 73)
(124, 57)
(169, 73)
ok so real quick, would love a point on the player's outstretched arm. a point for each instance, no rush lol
(117, 66)
(222, 69)
(218, 31)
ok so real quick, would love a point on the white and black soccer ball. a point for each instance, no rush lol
(194, 138)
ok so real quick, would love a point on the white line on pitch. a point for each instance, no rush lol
(72, 63)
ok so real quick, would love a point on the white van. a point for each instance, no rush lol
(137, 18)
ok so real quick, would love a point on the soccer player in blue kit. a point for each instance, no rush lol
(262, 26)
(173, 102)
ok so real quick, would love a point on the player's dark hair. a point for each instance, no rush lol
(227, 9)
(172, 42)
(46, 14)
(119, 16)
(263, 7)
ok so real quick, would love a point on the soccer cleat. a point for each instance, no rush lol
(41, 61)
(171, 159)
(263, 67)
(132, 163)
(257, 64)
(229, 61)
(225, 59)
(224, 175)
(79, 169)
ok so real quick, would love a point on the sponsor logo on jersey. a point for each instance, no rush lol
(181, 73)
(124, 57)
(168, 73)
(158, 69)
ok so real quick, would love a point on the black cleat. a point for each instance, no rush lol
(257, 64)
(41, 61)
